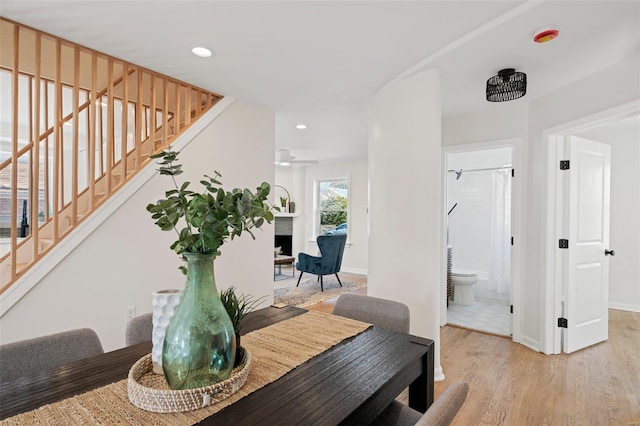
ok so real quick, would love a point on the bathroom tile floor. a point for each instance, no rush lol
(488, 316)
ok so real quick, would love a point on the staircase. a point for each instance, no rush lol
(80, 126)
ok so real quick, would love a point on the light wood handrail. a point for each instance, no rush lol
(62, 183)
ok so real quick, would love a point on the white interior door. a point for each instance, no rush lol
(587, 287)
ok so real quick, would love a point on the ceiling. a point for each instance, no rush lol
(319, 62)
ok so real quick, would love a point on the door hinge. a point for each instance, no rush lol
(511, 240)
(511, 308)
(564, 165)
(563, 323)
(513, 172)
(563, 244)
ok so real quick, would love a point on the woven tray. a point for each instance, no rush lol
(150, 391)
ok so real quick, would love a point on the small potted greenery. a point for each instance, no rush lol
(238, 307)
(283, 204)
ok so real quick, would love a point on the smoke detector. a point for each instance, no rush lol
(545, 35)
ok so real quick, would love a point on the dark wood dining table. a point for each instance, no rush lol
(350, 383)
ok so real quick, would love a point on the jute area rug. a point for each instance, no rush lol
(308, 293)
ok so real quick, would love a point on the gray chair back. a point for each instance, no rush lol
(441, 413)
(446, 406)
(381, 312)
(139, 329)
(41, 353)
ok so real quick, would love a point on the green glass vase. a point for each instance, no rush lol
(200, 344)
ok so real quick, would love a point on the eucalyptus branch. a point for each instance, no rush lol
(182, 201)
(212, 216)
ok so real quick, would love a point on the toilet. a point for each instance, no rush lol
(462, 282)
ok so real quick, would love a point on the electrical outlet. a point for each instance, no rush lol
(129, 313)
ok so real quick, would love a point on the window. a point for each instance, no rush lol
(333, 204)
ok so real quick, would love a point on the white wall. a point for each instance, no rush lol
(624, 268)
(356, 252)
(127, 258)
(406, 204)
(500, 121)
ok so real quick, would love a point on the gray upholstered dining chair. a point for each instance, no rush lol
(441, 413)
(381, 312)
(139, 329)
(41, 353)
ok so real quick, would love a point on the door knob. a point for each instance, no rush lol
(609, 253)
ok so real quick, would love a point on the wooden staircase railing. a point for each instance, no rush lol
(79, 126)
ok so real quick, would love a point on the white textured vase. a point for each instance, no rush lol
(164, 305)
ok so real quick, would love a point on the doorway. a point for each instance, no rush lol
(479, 199)
(608, 127)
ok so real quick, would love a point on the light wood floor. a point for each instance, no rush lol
(513, 385)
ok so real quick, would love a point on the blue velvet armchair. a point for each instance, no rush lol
(331, 249)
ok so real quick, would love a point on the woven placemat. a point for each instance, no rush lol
(275, 350)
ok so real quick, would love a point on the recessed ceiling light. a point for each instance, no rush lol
(301, 126)
(203, 52)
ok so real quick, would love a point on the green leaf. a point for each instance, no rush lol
(167, 226)
(166, 204)
(207, 219)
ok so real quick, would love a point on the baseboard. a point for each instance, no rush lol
(438, 374)
(357, 271)
(624, 307)
(531, 344)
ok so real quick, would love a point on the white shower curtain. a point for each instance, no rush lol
(500, 267)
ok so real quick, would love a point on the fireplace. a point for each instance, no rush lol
(284, 234)
(285, 243)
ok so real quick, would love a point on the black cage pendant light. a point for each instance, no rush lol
(506, 86)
